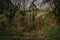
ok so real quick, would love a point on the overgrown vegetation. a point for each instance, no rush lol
(31, 22)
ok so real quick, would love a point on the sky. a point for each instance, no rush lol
(27, 3)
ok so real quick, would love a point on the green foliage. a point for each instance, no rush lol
(49, 22)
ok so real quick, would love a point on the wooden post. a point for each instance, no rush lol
(19, 24)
